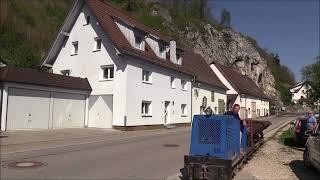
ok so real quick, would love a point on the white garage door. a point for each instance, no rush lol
(68, 110)
(28, 109)
(100, 111)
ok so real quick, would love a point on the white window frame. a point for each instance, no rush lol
(97, 41)
(102, 76)
(179, 58)
(139, 46)
(162, 52)
(183, 110)
(75, 48)
(173, 82)
(146, 106)
(66, 72)
(146, 76)
(183, 85)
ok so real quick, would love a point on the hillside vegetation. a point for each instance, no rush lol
(28, 27)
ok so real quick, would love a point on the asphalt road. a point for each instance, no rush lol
(145, 157)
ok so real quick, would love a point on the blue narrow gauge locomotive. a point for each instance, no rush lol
(216, 147)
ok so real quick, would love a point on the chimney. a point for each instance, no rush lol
(173, 50)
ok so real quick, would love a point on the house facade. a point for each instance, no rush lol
(243, 91)
(207, 89)
(299, 91)
(137, 75)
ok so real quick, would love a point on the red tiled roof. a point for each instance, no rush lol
(192, 64)
(105, 15)
(201, 69)
(242, 84)
(30, 76)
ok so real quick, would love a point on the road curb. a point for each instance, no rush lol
(274, 131)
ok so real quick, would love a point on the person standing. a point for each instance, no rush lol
(312, 121)
(235, 113)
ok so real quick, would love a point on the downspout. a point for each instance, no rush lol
(1, 99)
(192, 83)
(245, 105)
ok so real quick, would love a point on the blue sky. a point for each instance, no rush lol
(287, 27)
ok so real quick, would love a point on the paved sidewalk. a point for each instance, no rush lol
(31, 136)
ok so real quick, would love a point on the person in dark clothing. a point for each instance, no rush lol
(235, 113)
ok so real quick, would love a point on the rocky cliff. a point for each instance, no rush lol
(234, 50)
(214, 43)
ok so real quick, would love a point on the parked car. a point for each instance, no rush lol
(311, 155)
(300, 131)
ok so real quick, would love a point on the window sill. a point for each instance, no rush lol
(183, 115)
(146, 115)
(173, 87)
(184, 89)
(102, 80)
(97, 50)
(146, 82)
(74, 54)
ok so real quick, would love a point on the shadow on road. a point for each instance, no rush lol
(302, 172)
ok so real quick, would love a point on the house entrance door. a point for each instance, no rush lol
(166, 112)
(221, 106)
(254, 109)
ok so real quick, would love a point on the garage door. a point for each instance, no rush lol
(100, 111)
(68, 110)
(28, 109)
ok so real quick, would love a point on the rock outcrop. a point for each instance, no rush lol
(235, 50)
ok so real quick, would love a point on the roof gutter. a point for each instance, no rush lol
(133, 55)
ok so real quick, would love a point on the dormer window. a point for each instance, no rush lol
(162, 50)
(138, 42)
(179, 58)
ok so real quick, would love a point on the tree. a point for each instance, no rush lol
(311, 74)
(276, 58)
(225, 18)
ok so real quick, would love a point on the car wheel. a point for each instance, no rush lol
(306, 158)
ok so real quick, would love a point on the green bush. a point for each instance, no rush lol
(287, 137)
(155, 22)
(15, 50)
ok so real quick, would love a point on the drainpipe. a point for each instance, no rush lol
(192, 83)
(1, 99)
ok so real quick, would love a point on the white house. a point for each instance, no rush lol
(137, 75)
(30, 99)
(299, 91)
(243, 91)
(207, 89)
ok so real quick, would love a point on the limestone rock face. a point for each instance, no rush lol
(235, 50)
